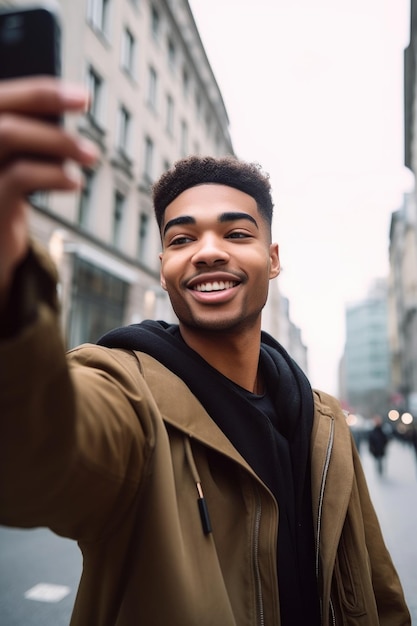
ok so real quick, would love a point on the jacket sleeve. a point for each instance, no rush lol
(72, 449)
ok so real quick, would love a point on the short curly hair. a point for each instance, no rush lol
(227, 170)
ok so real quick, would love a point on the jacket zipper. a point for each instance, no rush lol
(258, 583)
(320, 510)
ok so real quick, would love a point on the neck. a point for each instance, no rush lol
(234, 356)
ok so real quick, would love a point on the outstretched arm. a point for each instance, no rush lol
(71, 444)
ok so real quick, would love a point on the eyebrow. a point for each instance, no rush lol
(230, 216)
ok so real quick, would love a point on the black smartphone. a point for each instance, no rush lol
(30, 41)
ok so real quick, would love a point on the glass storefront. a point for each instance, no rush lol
(98, 302)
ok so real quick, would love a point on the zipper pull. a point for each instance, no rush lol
(204, 514)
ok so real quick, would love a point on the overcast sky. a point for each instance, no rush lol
(314, 92)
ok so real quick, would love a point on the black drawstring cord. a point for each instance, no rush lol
(202, 507)
(202, 504)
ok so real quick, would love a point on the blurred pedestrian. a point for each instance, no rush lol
(412, 438)
(378, 441)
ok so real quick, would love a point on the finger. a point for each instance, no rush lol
(26, 176)
(23, 136)
(42, 95)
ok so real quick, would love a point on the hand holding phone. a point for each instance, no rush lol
(30, 41)
(33, 153)
(30, 44)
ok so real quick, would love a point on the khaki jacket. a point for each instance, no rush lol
(111, 449)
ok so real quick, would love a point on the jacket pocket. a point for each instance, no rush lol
(347, 581)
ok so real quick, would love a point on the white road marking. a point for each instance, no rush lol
(45, 592)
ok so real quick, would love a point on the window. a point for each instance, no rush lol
(118, 219)
(185, 82)
(123, 130)
(172, 53)
(128, 52)
(143, 238)
(98, 14)
(198, 105)
(95, 88)
(86, 199)
(98, 305)
(217, 140)
(39, 199)
(155, 22)
(208, 123)
(184, 138)
(149, 155)
(152, 88)
(169, 115)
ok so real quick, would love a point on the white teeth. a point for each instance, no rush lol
(216, 286)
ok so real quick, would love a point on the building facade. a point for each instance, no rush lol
(403, 250)
(366, 362)
(276, 320)
(403, 304)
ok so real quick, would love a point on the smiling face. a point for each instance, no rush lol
(217, 259)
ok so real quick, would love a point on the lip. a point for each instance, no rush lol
(218, 296)
(212, 277)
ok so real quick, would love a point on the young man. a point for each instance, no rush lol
(202, 478)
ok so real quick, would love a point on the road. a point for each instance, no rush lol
(29, 558)
(395, 499)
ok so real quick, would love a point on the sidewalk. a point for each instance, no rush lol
(395, 499)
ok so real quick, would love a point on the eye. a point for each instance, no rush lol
(180, 240)
(238, 234)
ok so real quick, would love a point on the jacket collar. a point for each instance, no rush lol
(186, 414)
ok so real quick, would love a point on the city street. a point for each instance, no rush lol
(31, 558)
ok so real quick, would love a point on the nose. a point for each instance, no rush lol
(210, 251)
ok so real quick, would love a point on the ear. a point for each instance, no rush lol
(161, 274)
(275, 266)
